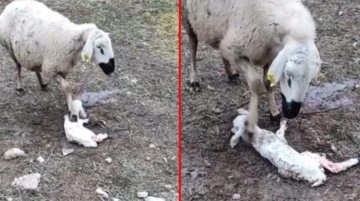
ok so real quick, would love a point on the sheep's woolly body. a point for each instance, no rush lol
(41, 39)
(290, 163)
(253, 29)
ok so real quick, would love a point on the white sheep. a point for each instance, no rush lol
(277, 35)
(290, 163)
(43, 40)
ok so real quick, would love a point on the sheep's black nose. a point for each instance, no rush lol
(290, 109)
(109, 67)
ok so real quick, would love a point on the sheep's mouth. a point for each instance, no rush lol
(109, 67)
(290, 109)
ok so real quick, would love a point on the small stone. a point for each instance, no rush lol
(340, 13)
(66, 151)
(150, 198)
(13, 153)
(278, 180)
(27, 182)
(168, 186)
(142, 194)
(207, 163)
(148, 158)
(9, 199)
(216, 111)
(210, 87)
(40, 159)
(357, 86)
(236, 197)
(102, 193)
(108, 160)
(355, 44)
(116, 199)
(152, 146)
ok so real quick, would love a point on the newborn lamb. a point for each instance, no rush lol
(76, 132)
(290, 163)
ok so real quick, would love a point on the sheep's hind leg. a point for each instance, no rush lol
(232, 76)
(19, 85)
(41, 82)
(194, 83)
(275, 115)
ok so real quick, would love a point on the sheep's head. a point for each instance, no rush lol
(98, 46)
(294, 68)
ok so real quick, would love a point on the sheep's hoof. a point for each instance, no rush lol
(21, 91)
(73, 118)
(234, 79)
(44, 87)
(194, 86)
(275, 119)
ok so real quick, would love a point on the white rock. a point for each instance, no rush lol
(340, 13)
(142, 194)
(152, 146)
(40, 159)
(236, 197)
(116, 199)
(102, 193)
(27, 182)
(150, 198)
(168, 186)
(355, 44)
(13, 153)
(148, 158)
(9, 199)
(108, 160)
(66, 151)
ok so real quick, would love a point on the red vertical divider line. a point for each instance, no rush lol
(179, 103)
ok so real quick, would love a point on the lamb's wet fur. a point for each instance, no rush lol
(306, 166)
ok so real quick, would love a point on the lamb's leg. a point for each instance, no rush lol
(338, 167)
(41, 82)
(280, 133)
(231, 74)
(274, 111)
(194, 83)
(19, 85)
(65, 87)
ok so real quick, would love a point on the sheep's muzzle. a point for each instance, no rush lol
(109, 67)
(290, 109)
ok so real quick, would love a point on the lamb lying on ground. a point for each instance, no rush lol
(76, 132)
(290, 163)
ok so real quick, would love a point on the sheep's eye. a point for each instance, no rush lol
(101, 51)
(289, 82)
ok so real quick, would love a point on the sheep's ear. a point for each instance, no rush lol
(314, 64)
(88, 49)
(277, 67)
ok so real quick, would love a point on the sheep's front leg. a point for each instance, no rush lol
(66, 88)
(280, 133)
(41, 82)
(230, 72)
(274, 111)
(253, 79)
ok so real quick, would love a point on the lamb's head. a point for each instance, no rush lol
(294, 68)
(98, 46)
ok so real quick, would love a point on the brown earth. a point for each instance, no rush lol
(140, 109)
(214, 171)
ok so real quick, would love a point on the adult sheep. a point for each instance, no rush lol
(277, 35)
(43, 40)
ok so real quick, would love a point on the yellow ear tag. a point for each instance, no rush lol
(85, 57)
(271, 78)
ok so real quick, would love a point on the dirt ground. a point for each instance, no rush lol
(214, 171)
(138, 105)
